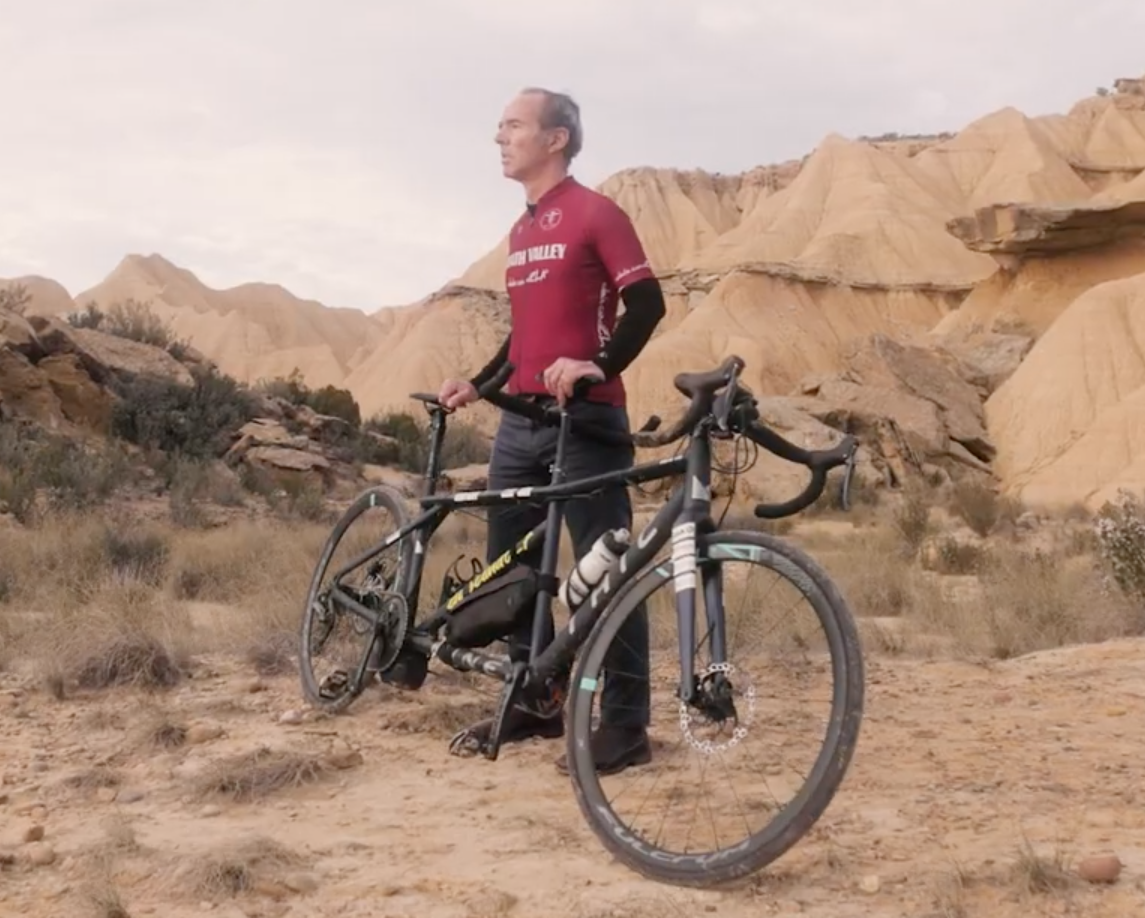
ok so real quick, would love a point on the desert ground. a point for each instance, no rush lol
(997, 753)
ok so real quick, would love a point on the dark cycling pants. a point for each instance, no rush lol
(522, 454)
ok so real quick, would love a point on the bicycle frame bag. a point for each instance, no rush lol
(495, 609)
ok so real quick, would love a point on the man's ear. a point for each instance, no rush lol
(559, 140)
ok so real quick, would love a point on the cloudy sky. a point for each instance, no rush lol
(345, 149)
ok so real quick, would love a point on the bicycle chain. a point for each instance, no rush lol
(707, 747)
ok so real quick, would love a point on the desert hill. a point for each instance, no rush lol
(252, 331)
(969, 246)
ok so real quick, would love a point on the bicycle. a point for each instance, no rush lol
(720, 407)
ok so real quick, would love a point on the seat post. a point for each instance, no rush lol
(551, 549)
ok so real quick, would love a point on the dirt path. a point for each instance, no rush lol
(958, 765)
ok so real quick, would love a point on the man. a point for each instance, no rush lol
(573, 254)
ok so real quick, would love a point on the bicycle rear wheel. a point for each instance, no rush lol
(376, 585)
(766, 706)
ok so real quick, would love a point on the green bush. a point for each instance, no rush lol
(198, 421)
(406, 443)
(68, 473)
(329, 400)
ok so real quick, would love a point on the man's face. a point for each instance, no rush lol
(525, 145)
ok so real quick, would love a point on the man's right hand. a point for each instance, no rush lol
(456, 393)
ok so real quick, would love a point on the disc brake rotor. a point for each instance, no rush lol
(688, 716)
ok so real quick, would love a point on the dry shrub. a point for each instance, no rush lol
(977, 505)
(264, 771)
(912, 517)
(1021, 601)
(873, 575)
(234, 868)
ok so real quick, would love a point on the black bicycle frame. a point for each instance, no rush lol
(686, 514)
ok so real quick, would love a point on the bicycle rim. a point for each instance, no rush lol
(792, 821)
(319, 616)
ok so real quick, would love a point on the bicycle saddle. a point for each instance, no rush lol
(707, 382)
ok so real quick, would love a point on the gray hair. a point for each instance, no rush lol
(560, 111)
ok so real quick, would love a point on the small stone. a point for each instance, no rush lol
(203, 733)
(39, 854)
(106, 794)
(210, 811)
(290, 717)
(870, 884)
(33, 833)
(344, 759)
(254, 686)
(1100, 868)
(3, 799)
(301, 883)
(131, 796)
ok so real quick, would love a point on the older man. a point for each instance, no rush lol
(573, 256)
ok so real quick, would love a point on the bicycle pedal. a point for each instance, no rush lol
(465, 744)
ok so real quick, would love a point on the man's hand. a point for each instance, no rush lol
(456, 393)
(563, 374)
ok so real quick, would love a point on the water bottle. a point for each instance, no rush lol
(591, 568)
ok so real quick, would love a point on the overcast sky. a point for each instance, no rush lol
(345, 149)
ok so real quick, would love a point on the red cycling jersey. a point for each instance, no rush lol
(569, 258)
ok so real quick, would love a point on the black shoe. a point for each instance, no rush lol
(615, 749)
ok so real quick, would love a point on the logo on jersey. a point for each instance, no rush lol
(554, 251)
(550, 219)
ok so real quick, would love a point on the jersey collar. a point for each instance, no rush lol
(558, 189)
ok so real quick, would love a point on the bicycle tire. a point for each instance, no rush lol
(831, 765)
(379, 496)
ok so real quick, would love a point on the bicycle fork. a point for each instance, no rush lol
(694, 518)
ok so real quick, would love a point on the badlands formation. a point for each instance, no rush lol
(971, 305)
(963, 301)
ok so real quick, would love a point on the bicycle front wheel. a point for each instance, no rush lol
(748, 700)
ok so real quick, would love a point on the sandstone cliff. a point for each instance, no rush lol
(966, 250)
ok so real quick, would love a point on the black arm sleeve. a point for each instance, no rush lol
(490, 369)
(643, 310)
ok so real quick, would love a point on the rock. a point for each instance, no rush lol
(466, 478)
(870, 884)
(1029, 229)
(300, 883)
(203, 733)
(989, 358)
(81, 400)
(291, 718)
(286, 459)
(25, 392)
(264, 432)
(39, 854)
(105, 356)
(1100, 868)
(343, 759)
(34, 833)
(106, 794)
(16, 334)
(210, 811)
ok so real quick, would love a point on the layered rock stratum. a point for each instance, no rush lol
(967, 301)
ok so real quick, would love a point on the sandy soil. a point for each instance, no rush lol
(960, 766)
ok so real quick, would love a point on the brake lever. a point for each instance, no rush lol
(722, 408)
(848, 474)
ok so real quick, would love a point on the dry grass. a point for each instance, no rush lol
(234, 868)
(951, 590)
(258, 774)
(91, 601)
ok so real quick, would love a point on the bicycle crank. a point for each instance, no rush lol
(485, 738)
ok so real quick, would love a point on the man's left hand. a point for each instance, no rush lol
(563, 374)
